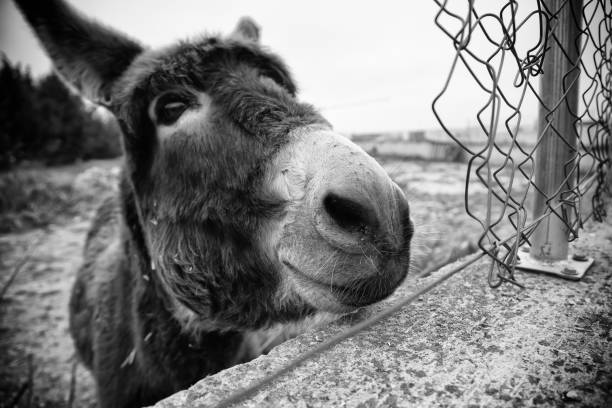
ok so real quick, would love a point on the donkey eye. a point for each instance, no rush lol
(169, 108)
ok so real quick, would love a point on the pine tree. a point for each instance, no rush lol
(44, 121)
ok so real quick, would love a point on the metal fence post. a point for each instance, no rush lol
(549, 241)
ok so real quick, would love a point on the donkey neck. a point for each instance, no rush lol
(155, 330)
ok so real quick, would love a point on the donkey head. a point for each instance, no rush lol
(251, 209)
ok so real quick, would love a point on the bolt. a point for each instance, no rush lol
(569, 271)
(580, 258)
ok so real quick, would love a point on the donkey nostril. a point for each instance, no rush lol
(349, 214)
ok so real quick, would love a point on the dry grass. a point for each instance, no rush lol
(31, 199)
(36, 197)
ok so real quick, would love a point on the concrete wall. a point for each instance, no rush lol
(462, 344)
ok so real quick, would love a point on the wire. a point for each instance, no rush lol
(252, 389)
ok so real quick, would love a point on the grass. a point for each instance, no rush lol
(31, 199)
(35, 196)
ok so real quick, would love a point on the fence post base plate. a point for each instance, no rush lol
(573, 268)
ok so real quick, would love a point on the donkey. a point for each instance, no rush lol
(239, 208)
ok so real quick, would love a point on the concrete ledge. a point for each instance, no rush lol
(463, 344)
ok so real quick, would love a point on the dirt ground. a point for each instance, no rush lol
(36, 351)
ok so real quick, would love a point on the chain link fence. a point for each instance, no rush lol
(550, 60)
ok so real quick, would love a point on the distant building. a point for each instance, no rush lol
(417, 136)
(365, 137)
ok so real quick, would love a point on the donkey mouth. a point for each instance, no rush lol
(346, 297)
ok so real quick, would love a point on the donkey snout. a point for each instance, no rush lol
(351, 222)
(350, 212)
(405, 226)
(362, 209)
(347, 244)
(366, 220)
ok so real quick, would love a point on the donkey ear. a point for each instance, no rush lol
(88, 55)
(247, 29)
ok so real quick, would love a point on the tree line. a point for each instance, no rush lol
(43, 121)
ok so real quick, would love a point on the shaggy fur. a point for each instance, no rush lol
(206, 258)
(182, 274)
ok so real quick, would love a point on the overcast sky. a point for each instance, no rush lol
(369, 66)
